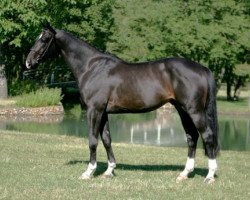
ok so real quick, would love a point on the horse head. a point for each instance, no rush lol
(44, 47)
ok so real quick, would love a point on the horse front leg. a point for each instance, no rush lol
(94, 123)
(106, 139)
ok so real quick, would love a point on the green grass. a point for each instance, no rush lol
(40, 166)
(39, 98)
(230, 107)
(233, 107)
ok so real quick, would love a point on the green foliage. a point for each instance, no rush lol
(22, 87)
(243, 69)
(215, 33)
(20, 24)
(88, 19)
(41, 97)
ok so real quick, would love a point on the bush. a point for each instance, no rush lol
(20, 87)
(41, 97)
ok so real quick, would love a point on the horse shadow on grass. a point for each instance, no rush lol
(102, 166)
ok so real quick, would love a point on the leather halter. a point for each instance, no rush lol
(41, 55)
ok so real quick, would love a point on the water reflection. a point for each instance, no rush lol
(235, 133)
(155, 128)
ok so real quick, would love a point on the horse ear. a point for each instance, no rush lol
(46, 25)
(51, 28)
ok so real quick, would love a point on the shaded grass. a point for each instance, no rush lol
(39, 166)
(233, 107)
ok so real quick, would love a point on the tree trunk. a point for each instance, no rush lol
(218, 79)
(3, 83)
(229, 86)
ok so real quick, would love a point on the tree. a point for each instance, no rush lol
(20, 24)
(214, 33)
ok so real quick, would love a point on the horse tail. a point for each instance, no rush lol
(211, 112)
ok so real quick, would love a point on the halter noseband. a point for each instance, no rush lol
(41, 55)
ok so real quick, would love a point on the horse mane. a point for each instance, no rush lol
(85, 44)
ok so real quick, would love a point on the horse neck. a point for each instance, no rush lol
(75, 52)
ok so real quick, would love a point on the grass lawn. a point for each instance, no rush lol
(233, 107)
(40, 166)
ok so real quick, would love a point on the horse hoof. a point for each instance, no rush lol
(209, 180)
(181, 178)
(84, 177)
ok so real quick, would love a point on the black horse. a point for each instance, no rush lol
(109, 85)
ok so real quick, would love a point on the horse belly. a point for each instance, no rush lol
(135, 102)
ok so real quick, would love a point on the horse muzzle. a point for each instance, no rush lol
(28, 64)
(31, 64)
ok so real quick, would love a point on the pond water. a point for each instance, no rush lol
(155, 128)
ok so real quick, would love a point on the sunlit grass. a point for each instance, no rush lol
(7, 102)
(39, 98)
(40, 166)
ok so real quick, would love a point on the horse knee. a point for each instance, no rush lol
(192, 139)
(93, 142)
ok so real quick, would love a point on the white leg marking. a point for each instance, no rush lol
(212, 166)
(89, 172)
(109, 172)
(189, 167)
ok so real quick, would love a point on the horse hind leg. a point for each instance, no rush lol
(208, 141)
(192, 137)
(202, 124)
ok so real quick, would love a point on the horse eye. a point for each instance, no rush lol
(45, 38)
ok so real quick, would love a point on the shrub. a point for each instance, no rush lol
(19, 87)
(41, 97)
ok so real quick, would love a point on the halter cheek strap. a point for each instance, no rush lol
(40, 56)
